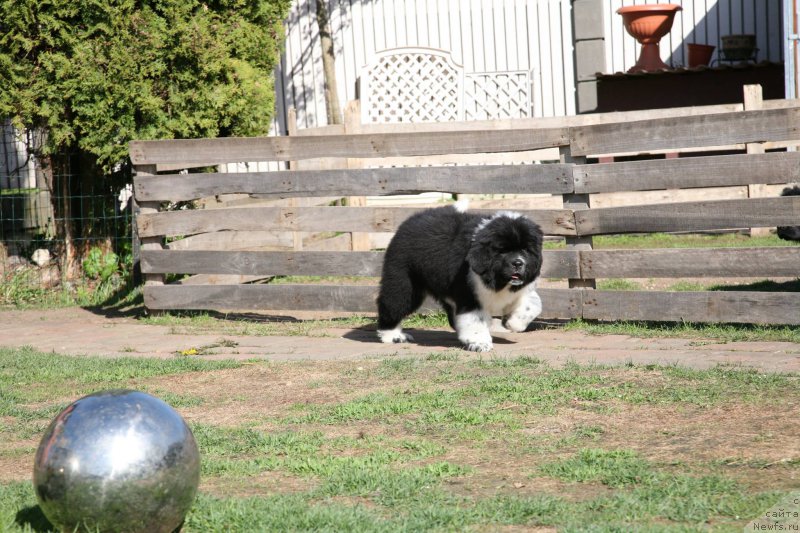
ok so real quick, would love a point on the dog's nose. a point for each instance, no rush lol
(518, 262)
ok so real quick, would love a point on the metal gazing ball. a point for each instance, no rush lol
(117, 460)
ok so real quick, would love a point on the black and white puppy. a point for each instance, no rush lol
(476, 266)
(790, 233)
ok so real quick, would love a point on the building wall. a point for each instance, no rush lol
(483, 36)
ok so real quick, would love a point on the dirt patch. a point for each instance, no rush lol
(257, 392)
(15, 468)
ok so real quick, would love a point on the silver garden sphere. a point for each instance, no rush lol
(117, 460)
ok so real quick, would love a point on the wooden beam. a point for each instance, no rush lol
(318, 219)
(688, 172)
(685, 132)
(692, 263)
(488, 179)
(557, 303)
(556, 263)
(235, 149)
(722, 307)
(690, 216)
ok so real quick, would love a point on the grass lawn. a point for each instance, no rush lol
(447, 442)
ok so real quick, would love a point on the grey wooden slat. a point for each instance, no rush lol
(557, 303)
(494, 179)
(686, 132)
(688, 172)
(556, 263)
(321, 219)
(724, 306)
(690, 216)
(232, 149)
(699, 263)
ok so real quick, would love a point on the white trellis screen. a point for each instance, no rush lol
(412, 85)
(426, 85)
(489, 95)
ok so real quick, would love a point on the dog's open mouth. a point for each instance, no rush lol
(516, 279)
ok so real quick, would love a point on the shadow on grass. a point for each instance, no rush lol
(33, 518)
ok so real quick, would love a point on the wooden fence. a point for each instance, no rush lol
(736, 148)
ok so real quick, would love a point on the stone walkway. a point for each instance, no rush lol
(82, 332)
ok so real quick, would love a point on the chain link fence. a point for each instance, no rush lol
(49, 224)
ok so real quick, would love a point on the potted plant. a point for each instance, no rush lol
(648, 24)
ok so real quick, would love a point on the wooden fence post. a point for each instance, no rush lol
(754, 100)
(574, 202)
(291, 127)
(147, 243)
(352, 125)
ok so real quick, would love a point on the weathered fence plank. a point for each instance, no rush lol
(558, 303)
(556, 263)
(688, 172)
(712, 306)
(235, 149)
(224, 249)
(494, 179)
(692, 263)
(686, 132)
(319, 219)
(690, 216)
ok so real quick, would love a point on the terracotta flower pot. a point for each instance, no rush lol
(699, 54)
(648, 24)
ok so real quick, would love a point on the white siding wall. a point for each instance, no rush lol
(701, 21)
(483, 36)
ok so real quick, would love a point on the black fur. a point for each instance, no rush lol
(433, 252)
(790, 233)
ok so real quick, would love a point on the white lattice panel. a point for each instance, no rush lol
(413, 85)
(426, 85)
(494, 95)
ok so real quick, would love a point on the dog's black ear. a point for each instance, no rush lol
(479, 256)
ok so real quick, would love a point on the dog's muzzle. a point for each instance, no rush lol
(517, 271)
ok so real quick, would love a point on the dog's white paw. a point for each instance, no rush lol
(394, 336)
(517, 325)
(478, 347)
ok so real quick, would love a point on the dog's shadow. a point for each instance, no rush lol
(428, 338)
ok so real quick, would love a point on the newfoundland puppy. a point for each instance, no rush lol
(790, 233)
(476, 266)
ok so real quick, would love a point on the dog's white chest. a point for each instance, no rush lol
(496, 303)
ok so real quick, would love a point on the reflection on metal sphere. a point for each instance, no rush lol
(117, 460)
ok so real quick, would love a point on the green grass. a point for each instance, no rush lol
(719, 332)
(22, 289)
(427, 428)
(35, 386)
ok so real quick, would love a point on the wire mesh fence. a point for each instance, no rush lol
(49, 223)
